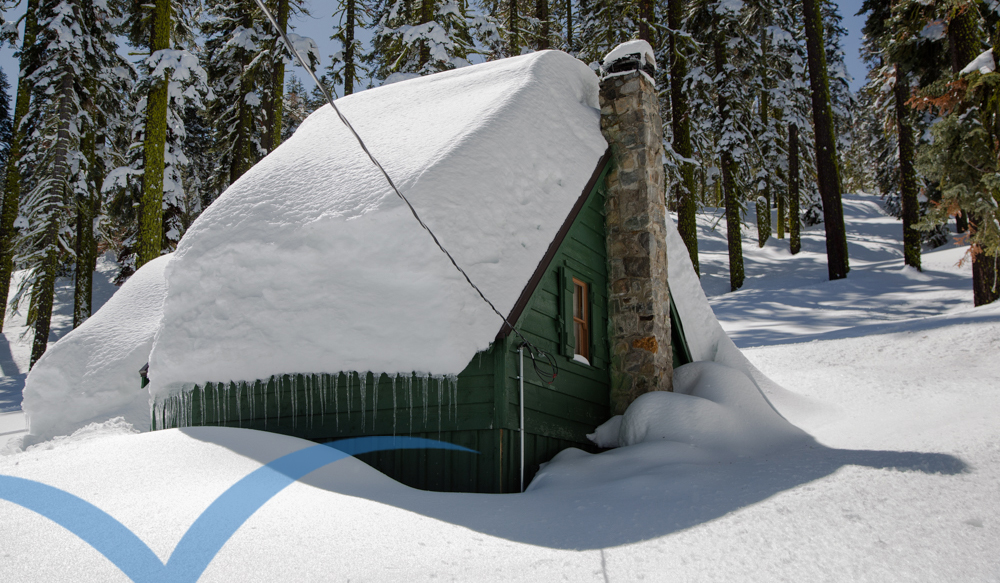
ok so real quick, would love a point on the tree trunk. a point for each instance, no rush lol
(349, 66)
(733, 218)
(680, 121)
(12, 179)
(515, 44)
(795, 242)
(542, 14)
(86, 243)
(43, 291)
(764, 214)
(426, 15)
(963, 40)
(272, 137)
(779, 196)
(827, 172)
(150, 242)
(646, 16)
(907, 174)
(569, 25)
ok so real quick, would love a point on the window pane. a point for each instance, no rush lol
(578, 299)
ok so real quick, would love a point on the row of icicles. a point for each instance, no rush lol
(320, 396)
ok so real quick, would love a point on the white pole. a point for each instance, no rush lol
(520, 377)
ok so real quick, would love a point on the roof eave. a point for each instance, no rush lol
(550, 253)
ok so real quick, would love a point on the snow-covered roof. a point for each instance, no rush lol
(310, 263)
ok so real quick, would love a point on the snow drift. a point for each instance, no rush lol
(713, 407)
(92, 373)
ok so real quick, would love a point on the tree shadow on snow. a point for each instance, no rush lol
(660, 492)
(11, 381)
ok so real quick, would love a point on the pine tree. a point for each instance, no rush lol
(828, 173)
(347, 62)
(149, 243)
(964, 156)
(680, 120)
(78, 74)
(12, 176)
(6, 124)
(419, 38)
(145, 190)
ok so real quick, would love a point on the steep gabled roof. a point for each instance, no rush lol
(309, 262)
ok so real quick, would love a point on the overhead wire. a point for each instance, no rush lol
(329, 98)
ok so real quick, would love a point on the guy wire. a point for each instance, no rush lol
(329, 98)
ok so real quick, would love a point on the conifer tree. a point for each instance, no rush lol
(964, 155)
(827, 171)
(347, 62)
(145, 190)
(12, 175)
(78, 74)
(149, 243)
(680, 120)
(419, 38)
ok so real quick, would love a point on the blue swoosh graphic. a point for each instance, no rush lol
(210, 531)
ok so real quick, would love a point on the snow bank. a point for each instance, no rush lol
(712, 407)
(92, 374)
(309, 263)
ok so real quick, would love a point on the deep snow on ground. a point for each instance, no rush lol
(15, 342)
(898, 478)
(787, 300)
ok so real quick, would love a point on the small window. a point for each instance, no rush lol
(581, 317)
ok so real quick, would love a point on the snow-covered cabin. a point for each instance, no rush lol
(307, 299)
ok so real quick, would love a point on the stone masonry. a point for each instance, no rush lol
(639, 300)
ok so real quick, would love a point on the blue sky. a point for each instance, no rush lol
(319, 27)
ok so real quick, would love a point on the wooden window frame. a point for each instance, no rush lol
(581, 340)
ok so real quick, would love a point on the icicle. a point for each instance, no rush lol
(440, 381)
(375, 379)
(322, 393)
(336, 399)
(201, 393)
(277, 397)
(392, 382)
(239, 403)
(454, 397)
(307, 382)
(263, 394)
(252, 390)
(409, 399)
(424, 382)
(294, 392)
(349, 399)
(362, 382)
(218, 405)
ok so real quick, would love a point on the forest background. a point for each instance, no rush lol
(128, 119)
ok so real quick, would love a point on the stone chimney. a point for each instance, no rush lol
(635, 209)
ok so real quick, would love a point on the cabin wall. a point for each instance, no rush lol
(478, 409)
(561, 414)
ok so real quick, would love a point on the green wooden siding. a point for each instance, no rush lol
(477, 409)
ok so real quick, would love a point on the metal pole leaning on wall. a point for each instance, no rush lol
(520, 379)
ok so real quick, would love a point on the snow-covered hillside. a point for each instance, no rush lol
(883, 464)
